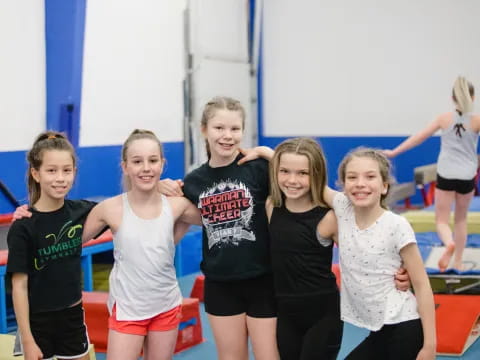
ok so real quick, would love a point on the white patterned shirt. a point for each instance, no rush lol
(369, 259)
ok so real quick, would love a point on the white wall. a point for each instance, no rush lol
(371, 67)
(133, 69)
(22, 73)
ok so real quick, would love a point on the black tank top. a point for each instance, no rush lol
(301, 265)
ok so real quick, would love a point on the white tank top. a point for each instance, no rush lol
(143, 281)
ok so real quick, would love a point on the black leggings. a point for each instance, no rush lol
(400, 341)
(309, 328)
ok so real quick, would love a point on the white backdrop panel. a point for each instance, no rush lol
(22, 73)
(218, 29)
(220, 78)
(372, 67)
(133, 70)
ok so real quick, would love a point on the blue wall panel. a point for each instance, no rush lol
(64, 29)
(335, 149)
(98, 174)
(12, 174)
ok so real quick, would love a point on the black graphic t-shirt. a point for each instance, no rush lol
(47, 247)
(235, 228)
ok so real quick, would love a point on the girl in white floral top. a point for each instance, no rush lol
(373, 244)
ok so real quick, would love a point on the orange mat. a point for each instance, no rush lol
(96, 318)
(197, 289)
(457, 317)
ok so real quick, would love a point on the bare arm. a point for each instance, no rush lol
(95, 221)
(169, 187)
(179, 230)
(21, 212)
(327, 227)
(328, 195)
(263, 152)
(423, 292)
(186, 214)
(190, 214)
(21, 306)
(416, 139)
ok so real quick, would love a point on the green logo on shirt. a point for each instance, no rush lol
(67, 242)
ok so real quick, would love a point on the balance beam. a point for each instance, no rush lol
(399, 192)
(425, 178)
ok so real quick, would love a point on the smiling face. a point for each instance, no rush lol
(55, 176)
(223, 132)
(294, 177)
(143, 164)
(363, 182)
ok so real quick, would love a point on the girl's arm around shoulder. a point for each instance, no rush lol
(328, 195)
(327, 227)
(184, 215)
(169, 187)
(21, 306)
(423, 292)
(106, 213)
(263, 152)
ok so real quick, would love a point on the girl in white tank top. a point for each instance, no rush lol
(146, 226)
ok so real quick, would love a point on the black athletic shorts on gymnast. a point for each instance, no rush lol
(255, 297)
(61, 333)
(459, 186)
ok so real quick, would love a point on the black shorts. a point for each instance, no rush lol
(61, 333)
(255, 297)
(459, 186)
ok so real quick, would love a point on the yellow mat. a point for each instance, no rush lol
(424, 221)
(6, 348)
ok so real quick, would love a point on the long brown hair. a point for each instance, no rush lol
(316, 163)
(46, 141)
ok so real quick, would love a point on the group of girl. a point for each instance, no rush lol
(276, 290)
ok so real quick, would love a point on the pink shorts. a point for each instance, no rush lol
(168, 320)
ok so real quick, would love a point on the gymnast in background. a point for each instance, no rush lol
(456, 169)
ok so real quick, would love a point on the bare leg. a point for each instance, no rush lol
(160, 345)
(262, 332)
(443, 204)
(231, 337)
(123, 346)
(462, 203)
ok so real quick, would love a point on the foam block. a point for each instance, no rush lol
(96, 318)
(190, 329)
(197, 289)
(457, 318)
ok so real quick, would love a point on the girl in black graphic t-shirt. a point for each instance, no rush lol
(44, 256)
(239, 297)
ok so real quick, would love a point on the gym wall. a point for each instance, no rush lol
(348, 73)
(367, 72)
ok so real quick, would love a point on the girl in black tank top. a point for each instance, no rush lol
(302, 230)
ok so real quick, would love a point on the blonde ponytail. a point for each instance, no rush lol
(463, 92)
